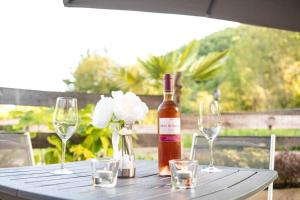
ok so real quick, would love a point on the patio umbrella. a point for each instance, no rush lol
(283, 14)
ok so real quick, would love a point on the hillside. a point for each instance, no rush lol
(262, 71)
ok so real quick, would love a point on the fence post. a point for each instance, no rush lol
(178, 87)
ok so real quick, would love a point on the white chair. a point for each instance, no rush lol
(246, 152)
(15, 150)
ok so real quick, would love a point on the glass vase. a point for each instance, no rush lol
(123, 150)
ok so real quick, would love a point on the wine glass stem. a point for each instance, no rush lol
(211, 162)
(63, 153)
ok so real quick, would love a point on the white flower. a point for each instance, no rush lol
(103, 112)
(117, 94)
(128, 107)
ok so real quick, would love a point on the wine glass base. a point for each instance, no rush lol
(62, 171)
(211, 170)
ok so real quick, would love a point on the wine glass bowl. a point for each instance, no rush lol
(209, 123)
(65, 121)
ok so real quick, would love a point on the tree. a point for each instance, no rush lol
(131, 78)
(93, 74)
(258, 61)
(195, 69)
(185, 60)
(260, 73)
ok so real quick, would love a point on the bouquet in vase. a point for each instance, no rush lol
(119, 113)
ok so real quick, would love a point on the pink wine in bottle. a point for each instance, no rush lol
(169, 138)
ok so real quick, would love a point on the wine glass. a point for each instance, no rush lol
(65, 121)
(209, 123)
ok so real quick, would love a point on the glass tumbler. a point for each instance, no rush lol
(183, 173)
(104, 172)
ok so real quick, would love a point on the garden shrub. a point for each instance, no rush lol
(287, 164)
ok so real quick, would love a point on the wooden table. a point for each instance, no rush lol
(38, 184)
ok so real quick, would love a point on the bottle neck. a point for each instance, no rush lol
(168, 96)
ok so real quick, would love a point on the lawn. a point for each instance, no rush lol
(187, 135)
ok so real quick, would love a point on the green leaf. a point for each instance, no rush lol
(81, 153)
(207, 67)
(105, 142)
(52, 156)
(54, 140)
(88, 141)
(189, 55)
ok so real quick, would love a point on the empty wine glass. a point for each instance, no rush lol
(65, 121)
(209, 123)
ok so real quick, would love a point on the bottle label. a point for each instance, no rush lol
(169, 138)
(169, 129)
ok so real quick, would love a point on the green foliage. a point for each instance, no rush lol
(235, 156)
(30, 117)
(99, 74)
(81, 153)
(157, 66)
(261, 71)
(186, 59)
(95, 141)
(291, 85)
(93, 75)
(207, 67)
(53, 154)
(196, 69)
(130, 78)
(178, 60)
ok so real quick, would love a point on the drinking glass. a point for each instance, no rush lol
(104, 172)
(65, 121)
(183, 173)
(209, 123)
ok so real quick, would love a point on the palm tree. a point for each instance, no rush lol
(146, 76)
(186, 61)
(129, 78)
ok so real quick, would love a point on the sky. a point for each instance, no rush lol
(42, 42)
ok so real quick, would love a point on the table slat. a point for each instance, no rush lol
(37, 183)
(246, 188)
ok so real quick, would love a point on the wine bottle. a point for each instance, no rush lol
(169, 138)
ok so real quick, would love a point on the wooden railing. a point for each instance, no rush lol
(48, 99)
(150, 140)
(283, 119)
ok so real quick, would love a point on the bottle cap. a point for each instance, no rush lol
(168, 83)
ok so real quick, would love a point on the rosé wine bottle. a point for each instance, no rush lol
(169, 138)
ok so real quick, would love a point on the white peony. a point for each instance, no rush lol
(103, 112)
(117, 94)
(120, 106)
(129, 107)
